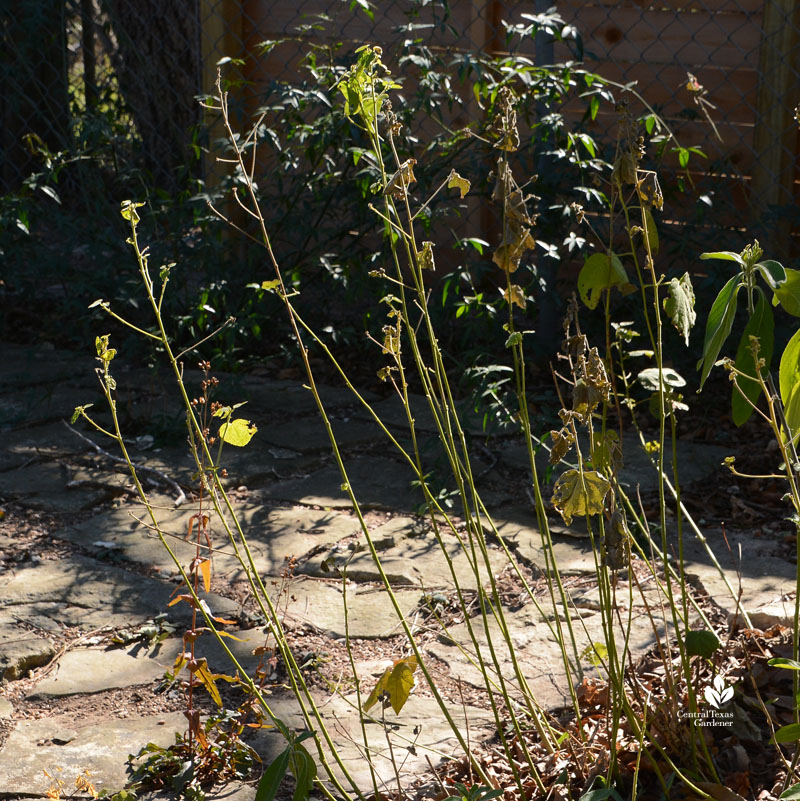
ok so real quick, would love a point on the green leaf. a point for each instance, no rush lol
(576, 496)
(594, 106)
(791, 411)
(649, 378)
(773, 272)
(725, 255)
(679, 306)
(128, 210)
(273, 776)
(304, 770)
(599, 272)
(760, 325)
(781, 662)
(652, 231)
(649, 124)
(791, 793)
(789, 371)
(80, 411)
(788, 293)
(683, 157)
(237, 432)
(397, 682)
(701, 643)
(788, 734)
(719, 324)
(596, 653)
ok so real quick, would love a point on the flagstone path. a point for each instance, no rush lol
(73, 699)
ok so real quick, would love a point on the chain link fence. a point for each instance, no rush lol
(725, 74)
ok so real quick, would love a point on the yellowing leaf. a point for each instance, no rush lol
(455, 181)
(205, 569)
(237, 432)
(204, 674)
(576, 496)
(396, 683)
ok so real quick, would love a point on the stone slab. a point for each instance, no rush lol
(6, 708)
(77, 591)
(370, 611)
(21, 650)
(30, 365)
(536, 648)
(309, 435)
(273, 534)
(38, 443)
(97, 669)
(768, 578)
(435, 739)
(410, 554)
(571, 547)
(696, 461)
(101, 748)
(47, 486)
(377, 483)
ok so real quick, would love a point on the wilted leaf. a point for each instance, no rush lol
(397, 683)
(425, 256)
(455, 181)
(577, 496)
(562, 441)
(515, 296)
(237, 432)
(680, 305)
(401, 180)
(607, 454)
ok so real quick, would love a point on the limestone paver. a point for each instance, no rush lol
(93, 670)
(22, 650)
(370, 611)
(768, 578)
(409, 554)
(78, 591)
(377, 482)
(49, 486)
(537, 653)
(696, 461)
(61, 742)
(571, 547)
(273, 534)
(434, 738)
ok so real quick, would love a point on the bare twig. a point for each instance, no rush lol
(181, 497)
